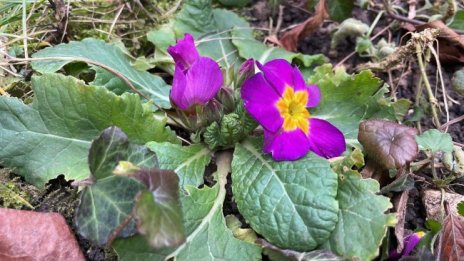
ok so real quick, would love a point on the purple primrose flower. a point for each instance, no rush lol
(197, 79)
(278, 99)
(410, 242)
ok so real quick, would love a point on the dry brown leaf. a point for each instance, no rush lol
(451, 44)
(401, 204)
(451, 246)
(28, 235)
(291, 38)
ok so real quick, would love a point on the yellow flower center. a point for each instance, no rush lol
(292, 107)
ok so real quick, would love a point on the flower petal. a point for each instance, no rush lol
(314, 96)
(279, 73)
(184, 52)
(179, 84)
(325, 139)
(287, 145)
(204, 79)
(260, 101)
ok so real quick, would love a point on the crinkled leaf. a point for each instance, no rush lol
(53, 136)
(362, 222)
(277, 254)
(157, 209)
(451, 245)
(97, 52)
(357, 97)
(209, 238)
(390, 144)
(295, 200)
(107, 203)
(434, 141)
(188, 162)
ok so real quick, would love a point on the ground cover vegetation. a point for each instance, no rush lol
(231, 130)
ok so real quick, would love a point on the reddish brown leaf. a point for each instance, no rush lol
(451, 246)
(451, 44)
(291, 38)
(28, 235)
(388, 143)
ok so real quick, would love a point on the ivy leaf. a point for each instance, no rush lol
(364, 89)
(107, 203)
(188, 162)
(53, 135)
(295, 200)
(97, 52)
(390, 144)
(451, 245)
(434, 141)
(157, 209)
(209, 238)
(362, 222)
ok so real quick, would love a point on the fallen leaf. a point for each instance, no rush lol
(28, 235)
(451, 247)
(388, 143)
(291, 38)
(401, 204)
(451, 44)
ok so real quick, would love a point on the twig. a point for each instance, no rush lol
(451, 122)
(24, 23)
(432, 99)
(115, 20)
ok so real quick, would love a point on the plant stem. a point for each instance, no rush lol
(432, 98)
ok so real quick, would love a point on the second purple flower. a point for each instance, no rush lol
(278, 98)
(197, 79)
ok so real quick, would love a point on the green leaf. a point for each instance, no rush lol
(340, 10)
(434, 141)
(460, 208)
(252, 48)
(209, 238)
(292, 204)
(364, 91)
(188, 162)
(362, 222)
(157, 209)
(53, 136)
(107, 203)
(458, 20)
(97, 52)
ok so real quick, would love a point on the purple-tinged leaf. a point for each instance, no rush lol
(388, 143)
(157, 209)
